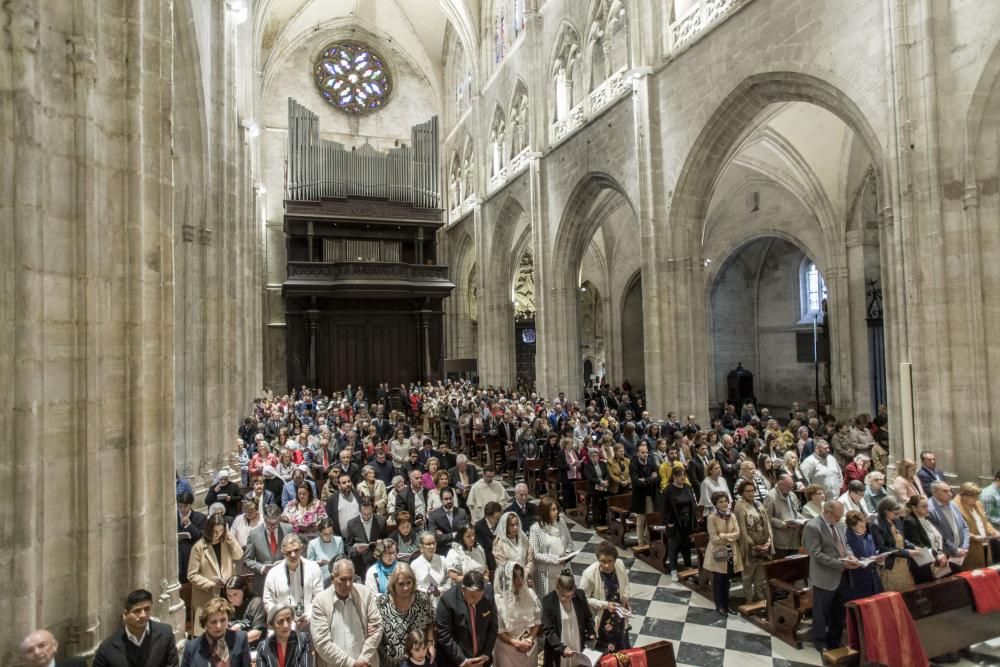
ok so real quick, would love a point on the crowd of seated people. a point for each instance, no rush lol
(347, 529)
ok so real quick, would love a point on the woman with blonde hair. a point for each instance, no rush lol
(980, 529)
(403, 608)
(906, 483)
(790, 465)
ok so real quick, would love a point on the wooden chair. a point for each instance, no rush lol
(620, 518)
(787, 601)
(552, 483)
(698, 580)
(534, 474)
(582, 509)
(657, 555)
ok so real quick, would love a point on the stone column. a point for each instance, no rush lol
(87, 233)
(312, 327)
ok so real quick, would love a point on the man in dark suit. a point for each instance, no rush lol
(141, 642)
(413, 499)
(698, 466)
(445, 521)
(466, 621)
(263, 547)
(463, 476)
(928, 473)
(506, 432)
(524, 510)
(362, 530)
(427, 452)
(825, 542)
(320, 459)
(645, 477)
(189, 525)
(347, 465)
(446, 457)
(39, 649)
(485, 528)
(729, 459)
(346, 496)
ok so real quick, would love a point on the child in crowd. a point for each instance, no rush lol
(417, 650)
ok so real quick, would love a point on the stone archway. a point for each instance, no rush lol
(686, 319)
(598, 212)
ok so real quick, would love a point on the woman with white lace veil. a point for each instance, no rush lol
(511, 544)
(519, 615)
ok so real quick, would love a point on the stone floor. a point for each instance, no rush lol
(667, 610)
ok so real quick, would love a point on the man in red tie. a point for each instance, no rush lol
(467, 626)
(264, 546)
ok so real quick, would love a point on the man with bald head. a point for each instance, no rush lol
(829, 560)
(39, 650)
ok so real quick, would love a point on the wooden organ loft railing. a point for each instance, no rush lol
(319, 168)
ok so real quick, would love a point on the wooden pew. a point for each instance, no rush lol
(533, 474)
(657, 554)
(787, 602)
(660, 654)
(698, 579)
(620, 520)
(945, 618)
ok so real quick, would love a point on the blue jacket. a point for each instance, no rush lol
(196, 651)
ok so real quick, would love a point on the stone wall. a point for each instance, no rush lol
(914, 82)
(129, 260)
(290, 75)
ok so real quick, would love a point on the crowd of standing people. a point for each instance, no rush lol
(354, 530)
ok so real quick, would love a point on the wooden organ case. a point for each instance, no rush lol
(363, 290)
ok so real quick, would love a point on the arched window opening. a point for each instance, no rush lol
(813, 291)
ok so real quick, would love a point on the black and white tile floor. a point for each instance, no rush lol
(665, 609)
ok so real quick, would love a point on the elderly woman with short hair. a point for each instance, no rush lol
(874, 491)
(374, 489)
(284, 647)
(403, 608)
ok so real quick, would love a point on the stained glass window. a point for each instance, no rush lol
(353, 77)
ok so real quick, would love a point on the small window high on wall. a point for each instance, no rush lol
(812, 288)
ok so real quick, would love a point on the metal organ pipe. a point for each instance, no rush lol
(318, 167)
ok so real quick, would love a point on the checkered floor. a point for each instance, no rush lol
(665, 609)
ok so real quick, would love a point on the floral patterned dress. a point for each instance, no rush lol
(612, 632)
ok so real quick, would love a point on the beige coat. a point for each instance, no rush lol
(979, 553)
(203, 570)
(329, 654)
(741, 521)
(720, 533)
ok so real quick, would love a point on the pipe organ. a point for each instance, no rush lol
(363, 288)
(320, 168)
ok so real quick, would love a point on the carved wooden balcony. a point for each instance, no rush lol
(367, 279)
